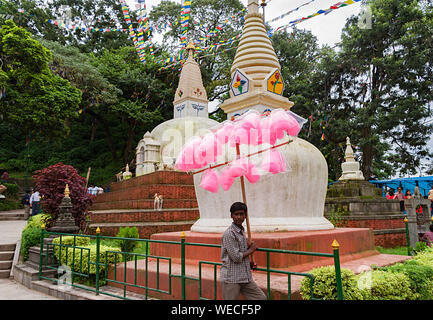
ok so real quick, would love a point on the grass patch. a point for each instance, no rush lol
(402, 251)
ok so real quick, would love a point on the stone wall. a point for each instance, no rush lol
(388, 230)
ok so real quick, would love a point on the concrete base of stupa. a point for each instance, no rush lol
(354, 243)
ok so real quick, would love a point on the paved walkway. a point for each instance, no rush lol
(10, 232)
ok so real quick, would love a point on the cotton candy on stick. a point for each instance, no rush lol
(209, 148)
(189, 158)
(210, 181)
(273, 162)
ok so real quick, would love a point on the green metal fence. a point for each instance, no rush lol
(117, 258)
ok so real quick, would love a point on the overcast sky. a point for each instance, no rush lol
(327, 28)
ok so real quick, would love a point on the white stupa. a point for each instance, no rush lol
(163, 144)
(287, 201)
(350, 167)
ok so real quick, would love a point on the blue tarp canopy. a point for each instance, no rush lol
(424, 184)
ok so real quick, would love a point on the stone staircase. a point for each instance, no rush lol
(7, 252)
(130, 203)
(12, 215)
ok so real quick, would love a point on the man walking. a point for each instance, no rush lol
(26, 202)
(236, 277)
(34, 202)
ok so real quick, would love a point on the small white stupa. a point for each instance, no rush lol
(191, 118)
(350, 167)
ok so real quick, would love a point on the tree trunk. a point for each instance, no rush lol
(367, 155)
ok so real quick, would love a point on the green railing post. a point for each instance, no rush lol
(336, 248)
(42, 250)
(98, 243)
(182, 254)
(409, 253)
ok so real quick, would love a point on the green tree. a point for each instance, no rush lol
(82, 14)
(386, 84)
(205, 16)
(36, 99)
(145, 93)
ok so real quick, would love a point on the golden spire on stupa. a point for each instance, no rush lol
(256, 72)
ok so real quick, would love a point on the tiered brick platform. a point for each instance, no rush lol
(359, 204)
(130, 203)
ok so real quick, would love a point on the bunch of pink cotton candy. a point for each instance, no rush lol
(273, 162)
(253, 129)
(250, 129)
(210, 181)
(189, 157)
(239, 167)
(247, 129)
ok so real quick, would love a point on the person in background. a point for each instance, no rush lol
(35, 202)
(428, 236)
(100, 190)
(430, 197)
(236, 277)
(95, 190)
(26, 203)
(408, 195)
(417, 192)
(390, 195)
(5, 177)
(400, 196)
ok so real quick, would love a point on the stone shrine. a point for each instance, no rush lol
(350, 167)
(355, 203)
(65, 222)
(161, 146)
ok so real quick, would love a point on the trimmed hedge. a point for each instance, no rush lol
(410, 280)
(382, 285)
(31, 235)
(83, 262)
(420, 277)
(325, 284)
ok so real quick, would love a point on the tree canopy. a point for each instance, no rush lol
(90, 89)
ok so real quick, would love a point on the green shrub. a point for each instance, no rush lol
(8, 204)
(325, 284)
(82, 262)
(128, 232)
(420, 276)
(11, 191)
(425, 257)
(31, 235)
(69, 241)
(420, 246)
(382, 285)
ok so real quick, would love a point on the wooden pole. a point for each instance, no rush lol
(87, 178)
(244, 198)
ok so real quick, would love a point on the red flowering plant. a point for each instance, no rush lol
(51, 183)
